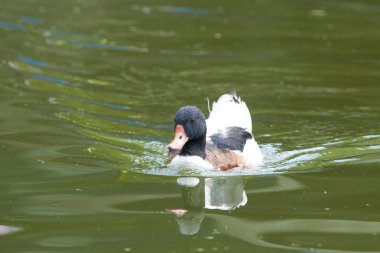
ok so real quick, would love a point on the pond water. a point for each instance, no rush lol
(88, 94)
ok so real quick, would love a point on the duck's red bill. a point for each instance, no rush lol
(180, 138)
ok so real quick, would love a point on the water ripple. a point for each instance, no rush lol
(11, 26)
(317, 232)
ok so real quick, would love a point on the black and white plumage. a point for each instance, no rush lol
(223, 141)
(232, 138)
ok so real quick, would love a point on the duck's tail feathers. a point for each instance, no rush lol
(229, 111)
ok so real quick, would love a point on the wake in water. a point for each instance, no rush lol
(364, 149)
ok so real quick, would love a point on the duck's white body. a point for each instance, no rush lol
(229, 112)
(226, 112)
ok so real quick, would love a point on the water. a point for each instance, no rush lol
(88, 94)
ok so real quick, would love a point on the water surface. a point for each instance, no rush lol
(88, 94)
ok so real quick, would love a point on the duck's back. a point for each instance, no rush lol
(229, 128)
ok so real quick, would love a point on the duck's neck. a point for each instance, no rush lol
(195, 147)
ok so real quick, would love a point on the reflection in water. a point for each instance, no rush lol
(295, 234)
(4, 230)
(222, 193)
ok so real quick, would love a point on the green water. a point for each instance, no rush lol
(88, 94)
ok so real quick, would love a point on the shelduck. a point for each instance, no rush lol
(224, 141)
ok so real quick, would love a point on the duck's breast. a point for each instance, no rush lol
(180, 161)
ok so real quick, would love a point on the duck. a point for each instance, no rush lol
(224, 141)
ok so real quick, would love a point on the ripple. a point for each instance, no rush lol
(65, 241)
(33, 61)
(278, 161)
(312, 234)
(50, 79)
(183, 10)
(112, 120)
(275, 161)
(171, 9)
(11, 26)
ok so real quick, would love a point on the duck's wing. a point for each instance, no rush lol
(231, 138)
(228, 111)
(231, 148)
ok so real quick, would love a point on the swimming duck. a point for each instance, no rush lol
(224, 141)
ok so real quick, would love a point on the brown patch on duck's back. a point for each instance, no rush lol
(219, 158)
(224, 159)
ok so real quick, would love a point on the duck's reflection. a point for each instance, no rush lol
(222, 193)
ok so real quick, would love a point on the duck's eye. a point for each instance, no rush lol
(180, 137)
(192, 121)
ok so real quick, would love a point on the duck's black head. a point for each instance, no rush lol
(190, 130)
(192, 120)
